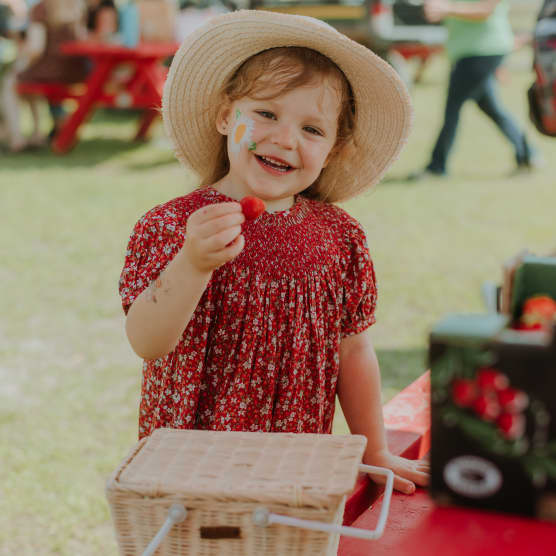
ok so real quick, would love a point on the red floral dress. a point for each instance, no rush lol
(261, 351)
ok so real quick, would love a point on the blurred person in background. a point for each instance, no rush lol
(479, 37)
(13, 21)
(194, 13)
(51, 23)
(102, 21)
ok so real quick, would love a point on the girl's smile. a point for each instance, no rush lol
(274, 165)
(286, 143)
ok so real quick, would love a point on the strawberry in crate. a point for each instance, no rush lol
(538, 313)
(489, 397)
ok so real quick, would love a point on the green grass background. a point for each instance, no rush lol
(69, 382)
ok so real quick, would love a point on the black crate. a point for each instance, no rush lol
(493, 396)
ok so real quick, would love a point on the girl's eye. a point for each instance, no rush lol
(313, 130)
(266, 114)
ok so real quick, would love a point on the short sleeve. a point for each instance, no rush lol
(154, 242)
(360, 294)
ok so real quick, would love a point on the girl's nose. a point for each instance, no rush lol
(284, 136)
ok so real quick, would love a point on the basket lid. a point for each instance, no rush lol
(314, 470)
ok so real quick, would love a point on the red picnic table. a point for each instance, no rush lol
(121, 77)
(416, 526)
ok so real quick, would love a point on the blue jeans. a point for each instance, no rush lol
(474, 78)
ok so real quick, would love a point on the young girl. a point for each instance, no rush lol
(257, 325)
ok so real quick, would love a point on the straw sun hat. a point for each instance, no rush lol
(209, 57)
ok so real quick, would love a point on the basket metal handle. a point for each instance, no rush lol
(176, 514)
(263, 517)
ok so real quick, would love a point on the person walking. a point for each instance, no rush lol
(479, 37)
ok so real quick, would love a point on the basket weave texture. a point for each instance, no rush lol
(220, 478)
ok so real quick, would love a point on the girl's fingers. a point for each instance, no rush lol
(416, 473)
(219, 224)
(232, 250)
(405, 479)
(421, 478)
(403, 485)
(416, 476)
(407, 473)
(209, 212)
(219, 241)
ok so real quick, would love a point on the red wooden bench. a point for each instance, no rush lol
(416, 526)
(141, 89)
(54, 92)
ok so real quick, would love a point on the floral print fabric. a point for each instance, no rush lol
(261, 351)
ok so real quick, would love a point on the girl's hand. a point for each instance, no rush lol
(436, 10)
(213, 235)
(407, 472)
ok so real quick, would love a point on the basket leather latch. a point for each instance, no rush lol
(221, 532)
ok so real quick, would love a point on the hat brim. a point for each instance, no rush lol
(210, 56)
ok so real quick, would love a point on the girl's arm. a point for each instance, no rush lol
(436, 10)
(159, 315)
(157, 318)
(359, 393)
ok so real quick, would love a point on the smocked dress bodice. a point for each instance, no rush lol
(261, 351)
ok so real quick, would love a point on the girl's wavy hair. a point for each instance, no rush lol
(283, 69)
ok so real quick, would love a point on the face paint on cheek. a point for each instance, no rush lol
(241, 134)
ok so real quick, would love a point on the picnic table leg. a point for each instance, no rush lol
(154, 79)
(65, 138)
(145, 122)
(152, 83)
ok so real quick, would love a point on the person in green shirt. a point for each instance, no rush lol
(479, 36)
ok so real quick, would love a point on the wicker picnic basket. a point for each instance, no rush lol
(233, 488)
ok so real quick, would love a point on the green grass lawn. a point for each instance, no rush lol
(69, 381)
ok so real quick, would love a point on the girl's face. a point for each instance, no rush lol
(278, 147)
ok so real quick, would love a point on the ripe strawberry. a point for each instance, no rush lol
(521, 326)
(464, 392)
(511, 426)
(541, 304)
(252, 207)
(487, 407)
(513, 400)
(491, 379)
(538, 311)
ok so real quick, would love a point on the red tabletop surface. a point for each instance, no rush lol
(416, 526)
(99, 49)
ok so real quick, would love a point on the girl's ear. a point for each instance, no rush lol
(223, 118)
